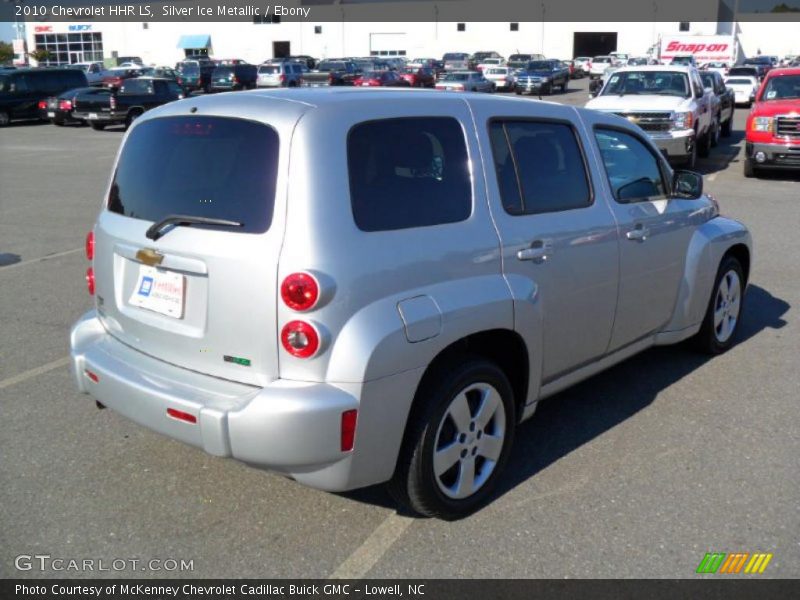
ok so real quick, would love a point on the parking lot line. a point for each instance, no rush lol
(40, 259)
(373, 548)
(30, 374)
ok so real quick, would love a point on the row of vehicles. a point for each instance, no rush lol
(685, 111)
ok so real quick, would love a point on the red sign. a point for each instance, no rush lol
(43, 28)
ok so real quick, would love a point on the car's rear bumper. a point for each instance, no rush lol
(100, 117)
(773, 155)
(287, 426)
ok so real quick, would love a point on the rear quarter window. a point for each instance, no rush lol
(408, 172)
(215, 167)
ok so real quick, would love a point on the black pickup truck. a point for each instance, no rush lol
(332, 72)
(723, 104)
(134, 98)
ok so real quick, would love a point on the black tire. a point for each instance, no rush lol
(5, 118)
(415, 483)
(708, 339)
(704, 145)
(749, 168)
(727, 126)
(132, 116)
(691, 160)
(58, 122)
(715, 133)
(564, 86)
(97, 126)
(518, 91)
(547, 91)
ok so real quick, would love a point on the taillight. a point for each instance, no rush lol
(330, 77)
(300, 339)
(300, 291)
(234, 79)
(282, 77)
(112, 102)
(90, 280)
(181, 415)
(65, 105)
(42, 104)
(90, 245)
(349, 418)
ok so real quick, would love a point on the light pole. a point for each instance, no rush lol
(543, 19)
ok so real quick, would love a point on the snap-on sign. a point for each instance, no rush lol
(676, 46)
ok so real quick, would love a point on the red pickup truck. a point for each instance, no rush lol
(773, 126)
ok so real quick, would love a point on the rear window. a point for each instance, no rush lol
(738, 82)
(223, 71)
(332, 66)
(214, 167)
(408, 172)
(137, 86)
(269, 69)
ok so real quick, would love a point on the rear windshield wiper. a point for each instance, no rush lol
(155, 231)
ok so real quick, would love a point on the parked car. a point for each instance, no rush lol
(773, 125)
(246, 312)
(93, 70)
(134, 98)
(599, 66)
(763, 64)
(332, 73)
(194, 75)
(479, 58)
(464, 81)
(749, 71)
(519, 61)
(718, 66)
(456, 61)
(744, 88)
(59, 109)
(234, 77)
(309, 61)
(113, 78)
(419, 76)
(280, 74)
(541, 77)
(637, 61)
(488, 63)
(583, 64)
(21, 90)
(131, 60)
(668, 102)
(687, 60)
(380, 79)
(723, 105)
(502, 78)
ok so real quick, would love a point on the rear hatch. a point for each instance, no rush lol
(223, 77)
(89, 102)
(199, 296)
(269, 75)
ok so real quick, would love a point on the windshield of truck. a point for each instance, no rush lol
(269, 69)
(682, 60)
(540, 65)
(738, 81)
(189, 69)
(660, 83)
(784, 87)
(215, 167)
(455, 56)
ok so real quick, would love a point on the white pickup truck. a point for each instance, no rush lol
(668, 102)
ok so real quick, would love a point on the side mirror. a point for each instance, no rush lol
(687, 184)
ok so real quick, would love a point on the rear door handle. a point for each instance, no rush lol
(638, 234)
(537, 252)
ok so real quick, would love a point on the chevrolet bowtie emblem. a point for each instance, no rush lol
(149, 257)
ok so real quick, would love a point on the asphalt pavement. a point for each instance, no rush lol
(637, 472)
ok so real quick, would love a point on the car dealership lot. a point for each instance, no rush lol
(637, 472)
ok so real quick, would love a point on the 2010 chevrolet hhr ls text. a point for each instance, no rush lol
(355, 286)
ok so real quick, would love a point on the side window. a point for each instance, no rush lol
(539, 166)
(633, 171)
(408, 172)
(697, 85)
(174, 89)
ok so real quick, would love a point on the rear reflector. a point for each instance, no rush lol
(349, 418)
(90, 280)
(300, 339)
(181, 416)
(90, 245)
(92, 376)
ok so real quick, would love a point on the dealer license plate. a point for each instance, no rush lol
(159, 291)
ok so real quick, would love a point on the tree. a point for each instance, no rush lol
(39, 55)
(6, 53)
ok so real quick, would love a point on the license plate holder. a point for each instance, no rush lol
(159, 291)
(51, 114)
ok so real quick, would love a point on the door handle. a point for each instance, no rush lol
(537, 252)
(638, 234)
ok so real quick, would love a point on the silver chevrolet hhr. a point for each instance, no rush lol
(358, 286)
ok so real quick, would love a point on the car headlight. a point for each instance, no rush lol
(762, 124)
(682, 120)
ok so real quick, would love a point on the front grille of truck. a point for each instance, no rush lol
(788, 126)
(649, 121)
(528, 80)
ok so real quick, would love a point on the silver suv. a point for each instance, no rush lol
(358, 286)
(280, 74)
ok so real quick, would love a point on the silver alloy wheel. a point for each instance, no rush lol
(727, 303)
(469, 441)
